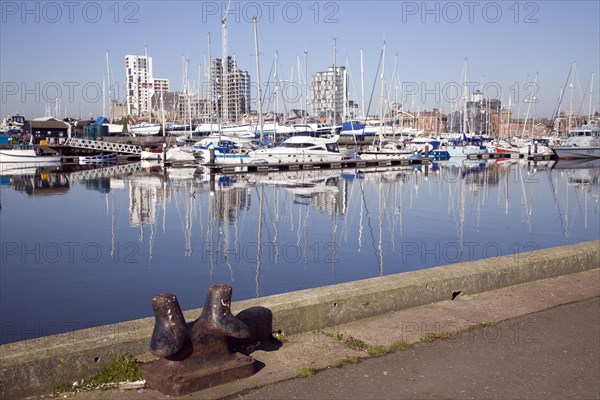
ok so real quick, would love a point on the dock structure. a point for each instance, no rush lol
(267, 167)
(530, 157)
(102, 145)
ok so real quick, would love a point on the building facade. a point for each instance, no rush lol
(330, 94)
(141, 85)
(482, 116)
(228, 90)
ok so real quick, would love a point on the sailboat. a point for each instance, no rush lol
(113, 129)
(383, 149)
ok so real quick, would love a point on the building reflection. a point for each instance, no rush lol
(36, 181)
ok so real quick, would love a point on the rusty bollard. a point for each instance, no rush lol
(196, 355)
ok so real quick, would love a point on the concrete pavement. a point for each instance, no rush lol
(541, 340)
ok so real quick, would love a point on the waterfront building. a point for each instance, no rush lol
(330, 94)
(482, 114)
(141, 84)
(229, 90)
(49, 129)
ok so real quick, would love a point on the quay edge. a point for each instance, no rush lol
(37, 366)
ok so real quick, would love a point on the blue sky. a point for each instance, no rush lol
(52, 47)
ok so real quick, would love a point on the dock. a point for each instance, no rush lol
(351, 163)
(529, 157)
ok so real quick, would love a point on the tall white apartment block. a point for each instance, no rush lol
(141, 84)
(329, 91)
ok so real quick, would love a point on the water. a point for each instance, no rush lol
(88, 248)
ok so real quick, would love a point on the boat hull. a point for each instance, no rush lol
(25, 156)
(465, 151)
(576, 153)
(145, 130)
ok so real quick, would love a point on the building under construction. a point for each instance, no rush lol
(229, 90)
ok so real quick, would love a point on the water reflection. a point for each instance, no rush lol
(181, 230)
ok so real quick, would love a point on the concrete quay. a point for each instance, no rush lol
(379, 312)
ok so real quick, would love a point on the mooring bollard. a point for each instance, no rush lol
(195, 355)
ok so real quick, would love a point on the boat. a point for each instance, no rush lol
(582, 142)
(27, 153)
(174, 154)
(439, 155)
(355, 129)
(315, 129)
(98, 159)
(175, 129)
(385, 150)
(464, 146)
(152, 153)
(180, 156)
(300, 148)
(144, 129)
(12, 125)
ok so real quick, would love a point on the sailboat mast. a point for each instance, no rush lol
(224, 68)
(591, 95)
(210, 87)
(362, 85)
(306, 85)
(528, 108)
(465, 96)
(334, 121)
(260, 115)
(571, 99)
(108, 84)
(382, 105)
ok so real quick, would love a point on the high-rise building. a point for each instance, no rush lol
(161, 85)
(229, 90)
(141, 84)
(329, 92)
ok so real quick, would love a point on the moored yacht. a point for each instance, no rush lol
(300, 148)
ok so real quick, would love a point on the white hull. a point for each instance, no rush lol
(25, 156)
(174, 154)
(150, 155)
(574, 153)
(145, 130)
(464, 151)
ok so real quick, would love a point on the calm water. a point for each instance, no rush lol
(88, 248)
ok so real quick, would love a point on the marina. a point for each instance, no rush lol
(140, 228)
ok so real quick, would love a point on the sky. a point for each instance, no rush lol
(518, 50)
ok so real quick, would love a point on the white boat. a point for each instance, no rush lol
(145, 129)
(179, 155)
(314, 129)
(174, 155)
(385, 150)
(422, 144)
(175, 129)
(12, 125)
(98, 159)
(27, 154)
(464, 151)
(300, 148)
(582, 142)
